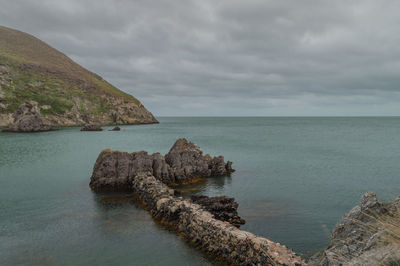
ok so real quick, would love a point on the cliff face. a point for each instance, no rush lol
(66, 93)
(367, 235)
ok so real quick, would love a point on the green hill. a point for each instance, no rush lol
(67, 93)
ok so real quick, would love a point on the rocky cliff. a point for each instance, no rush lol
(367, 235)
(66, 93)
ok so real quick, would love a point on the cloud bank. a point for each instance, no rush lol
(230, 58)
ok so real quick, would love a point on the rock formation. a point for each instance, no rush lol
(27, 118)
(367, 235)
(210, 223)
(92, 127)
(116, 128)
(222, 207)
(221, 239)
(187, 162)
(114, 170)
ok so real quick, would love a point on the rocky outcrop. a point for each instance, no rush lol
(27, 118)
(216, 237)
(187, 162)
(210, 223)
(114, 170)
(367, 235)
(92, 127)
(222, 207)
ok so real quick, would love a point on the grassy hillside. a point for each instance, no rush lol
(32, 70)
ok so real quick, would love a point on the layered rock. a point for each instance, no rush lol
(222, 207)
(367, 235)
(183, 163)
(218, 238)
(92, 127)
(27, 118)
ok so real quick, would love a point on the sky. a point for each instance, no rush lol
(230, 58)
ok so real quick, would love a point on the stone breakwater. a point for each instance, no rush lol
(184, 163)
(216, 237)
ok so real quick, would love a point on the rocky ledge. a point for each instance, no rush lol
(199, 226)
(27, 118)
(92, 127)
(184, 163)
(367, 235)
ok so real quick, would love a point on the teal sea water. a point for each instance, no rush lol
(295, 178)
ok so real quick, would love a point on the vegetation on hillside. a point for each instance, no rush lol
(32, 70)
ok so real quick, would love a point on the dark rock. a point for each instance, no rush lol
(116, 128)
(185, 163)
(92, 127)
(28, 119)
(222, 207)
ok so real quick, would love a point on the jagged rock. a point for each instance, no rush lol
(185, 162)
(222, 207)
(365, 235)
(92, 127)
(28, 119)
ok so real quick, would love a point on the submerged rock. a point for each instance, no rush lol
(92, 127)
(222, 207)
(183, 163)
(116, 128)
(367, 235)
(28, 119)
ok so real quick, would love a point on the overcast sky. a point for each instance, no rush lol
(228, 58)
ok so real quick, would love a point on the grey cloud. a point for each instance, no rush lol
(255, 57)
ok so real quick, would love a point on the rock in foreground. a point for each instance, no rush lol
(27, 118)
(221, 239)
(92, 127)
(367, 235)
(114, 170)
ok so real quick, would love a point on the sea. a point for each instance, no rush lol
(295, 178)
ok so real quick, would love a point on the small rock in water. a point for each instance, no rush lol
(92, 127)
(116, 128)
(28, 119)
